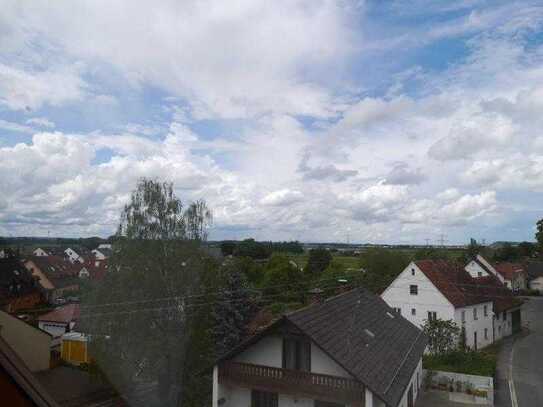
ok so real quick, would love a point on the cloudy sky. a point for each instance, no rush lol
(374, 121)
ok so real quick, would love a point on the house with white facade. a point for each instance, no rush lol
(535, 275)
(101, 253)
(512, 275)
(482, 307)
(39, 252)
(73, 256)
(59, 321)
(350, 350)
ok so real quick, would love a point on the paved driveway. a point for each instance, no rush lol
(527, 357)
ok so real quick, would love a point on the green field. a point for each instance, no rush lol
(347, 261)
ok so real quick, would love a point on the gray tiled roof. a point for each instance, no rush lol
(384, 362)
(383, 359)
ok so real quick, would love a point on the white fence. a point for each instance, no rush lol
(463, 388)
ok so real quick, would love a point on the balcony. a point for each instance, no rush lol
(292, 382)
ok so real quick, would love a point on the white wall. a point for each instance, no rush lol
(473, 268)
(321, 363)
(537, 284)
(98, 255)
(429, 298)
(241, 397)
(55, 329)
(471, 325)
(267, 352)
(40, 252)
(503, 328)
(490, 267)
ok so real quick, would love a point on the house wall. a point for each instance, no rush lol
(35, 270)
(98, 255)
(32, 345)
(235, 396)
(474, 269)
(479, 325)
(537, 284)
(269, 352)
(429, 298)
(56, 329)
(520, 281)
(266, 352)
(490, 267)
(40, 252)
(503, 328)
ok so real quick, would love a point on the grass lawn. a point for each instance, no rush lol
(347, 261)
(481, 363)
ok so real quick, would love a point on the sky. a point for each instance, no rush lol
(311, 120)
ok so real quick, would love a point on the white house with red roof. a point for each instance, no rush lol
(512, 275)
(441, 289)
(59, 321)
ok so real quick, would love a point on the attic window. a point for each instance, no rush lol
(369, 333)
(412, 272)
(390, 315)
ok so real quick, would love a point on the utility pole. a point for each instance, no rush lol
(442, 240)
(427, 242)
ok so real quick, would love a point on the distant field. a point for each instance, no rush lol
(347, 261)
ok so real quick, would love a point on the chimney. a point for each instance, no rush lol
(315, 296)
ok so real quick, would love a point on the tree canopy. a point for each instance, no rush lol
(149, 317)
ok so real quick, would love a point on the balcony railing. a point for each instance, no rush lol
(294, 382)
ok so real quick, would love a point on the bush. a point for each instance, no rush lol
(469, 362)
(533, 293)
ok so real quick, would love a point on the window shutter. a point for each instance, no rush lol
(307, 356)
(284, 353)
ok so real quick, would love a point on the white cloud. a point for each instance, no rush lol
(41, 122)
(227, 60)
(282, 197)
(27, 90)
(11, 126)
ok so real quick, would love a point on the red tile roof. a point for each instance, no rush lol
(462, 290)
(508, 270)
(66, 314)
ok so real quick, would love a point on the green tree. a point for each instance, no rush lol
(318, 261)
(539, 235)
(253, 271)
(227, 248)
(443, 335)
(253, 249)
(526, 249)
(283, 280)
(150, 318)
(506, 253)
(381, 267)
(233, 310)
